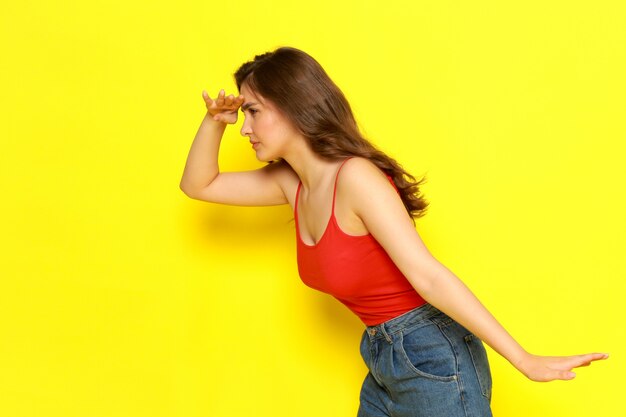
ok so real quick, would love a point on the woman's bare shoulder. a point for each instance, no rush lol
(359, 171)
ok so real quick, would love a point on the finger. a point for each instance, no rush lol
(569, 362)
(585, 360)
(220, 98)
(565, 375)
(547, 375)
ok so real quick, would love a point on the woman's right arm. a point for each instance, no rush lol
(202, 179)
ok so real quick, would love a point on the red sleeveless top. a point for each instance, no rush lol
(356, 270)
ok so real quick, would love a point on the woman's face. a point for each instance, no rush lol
(270, 133)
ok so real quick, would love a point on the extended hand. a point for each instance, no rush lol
(549, 368)
(223, 108)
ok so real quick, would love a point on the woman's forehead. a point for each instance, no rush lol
(251, 95)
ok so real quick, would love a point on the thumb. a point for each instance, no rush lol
(564, 375)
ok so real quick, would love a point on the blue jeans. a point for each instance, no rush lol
(424, 364)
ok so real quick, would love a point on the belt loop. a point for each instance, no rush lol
(384, 331)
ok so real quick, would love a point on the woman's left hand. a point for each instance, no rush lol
(549, 368)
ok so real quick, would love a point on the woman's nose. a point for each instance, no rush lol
(245, 128)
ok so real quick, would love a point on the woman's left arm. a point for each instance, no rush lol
(380, 208)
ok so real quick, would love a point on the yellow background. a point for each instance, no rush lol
(121, 297)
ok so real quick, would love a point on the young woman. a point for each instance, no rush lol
(354, 208)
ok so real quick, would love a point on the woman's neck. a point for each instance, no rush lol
(311, 168)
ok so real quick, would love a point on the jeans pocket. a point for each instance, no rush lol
(427, 353)
(480, 362)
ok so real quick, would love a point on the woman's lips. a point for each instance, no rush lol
(254, 144)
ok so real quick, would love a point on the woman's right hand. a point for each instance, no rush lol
(548, 368)
(224, 108)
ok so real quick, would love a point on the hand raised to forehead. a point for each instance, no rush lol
(224, 108)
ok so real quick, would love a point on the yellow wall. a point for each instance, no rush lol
(119, 296)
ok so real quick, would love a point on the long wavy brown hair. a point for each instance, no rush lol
(298, 85)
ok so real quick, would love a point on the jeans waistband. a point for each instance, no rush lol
(410, 318)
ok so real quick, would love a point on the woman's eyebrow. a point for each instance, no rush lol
(247, 105)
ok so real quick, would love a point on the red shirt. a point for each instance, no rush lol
(356, 270)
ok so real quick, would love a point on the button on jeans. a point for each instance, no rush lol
(424, 364)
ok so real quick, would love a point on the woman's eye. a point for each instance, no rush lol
(252, 111)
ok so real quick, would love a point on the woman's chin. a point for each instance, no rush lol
(264, 158)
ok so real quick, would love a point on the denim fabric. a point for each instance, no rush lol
(424, 364)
